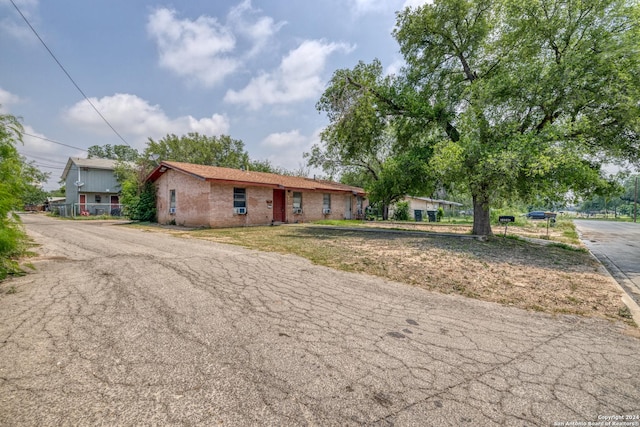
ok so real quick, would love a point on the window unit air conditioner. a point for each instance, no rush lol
(172, 211)
(326, 211)
(240, 211)
(297, 210)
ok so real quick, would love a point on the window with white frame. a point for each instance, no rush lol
(297, 202)
(172, 201)
(240, 200)
(326, 203)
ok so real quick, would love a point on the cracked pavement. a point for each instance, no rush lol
(118, 326)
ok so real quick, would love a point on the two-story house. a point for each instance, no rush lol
(91, 187)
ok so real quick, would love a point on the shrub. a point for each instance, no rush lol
(12, 240)
(401, 211)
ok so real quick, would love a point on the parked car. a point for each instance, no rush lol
(541, 215)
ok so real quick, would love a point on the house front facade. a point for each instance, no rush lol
(91, 187)
(198, 195)
(425, 207)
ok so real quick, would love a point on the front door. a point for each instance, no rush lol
(83, 201)
(347, 207)
(279, 206)
(115, 203)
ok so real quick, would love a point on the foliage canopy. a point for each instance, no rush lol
(512, 99)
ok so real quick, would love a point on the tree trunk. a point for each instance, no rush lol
(481, 215)
(385, 212)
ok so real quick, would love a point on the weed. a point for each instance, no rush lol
(573, 300)
(567, 247)
(624, 312)
(12, 290)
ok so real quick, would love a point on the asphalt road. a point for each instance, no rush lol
(117, 326)
(617, 246)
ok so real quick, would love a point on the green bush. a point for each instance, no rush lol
(401, 211)
(439, 214)
(143, 207)
(12, 241)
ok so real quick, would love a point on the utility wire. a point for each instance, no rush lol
(68, 75)
(55, 142)
(42, 159)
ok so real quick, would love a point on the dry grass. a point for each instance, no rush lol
(512, 272)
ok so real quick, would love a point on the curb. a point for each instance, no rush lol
(631, 304)
(605, 267)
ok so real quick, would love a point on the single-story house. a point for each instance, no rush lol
(91, 187)
(420, 207)
(199, 195)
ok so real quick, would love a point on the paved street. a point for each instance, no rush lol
(617, 246)
(118, 326)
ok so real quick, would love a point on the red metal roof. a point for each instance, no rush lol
(238, 176)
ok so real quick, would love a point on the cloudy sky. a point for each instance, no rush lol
(251, 69)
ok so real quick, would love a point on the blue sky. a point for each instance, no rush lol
(251, 69)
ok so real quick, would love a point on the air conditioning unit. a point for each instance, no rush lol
(326, 211)
(240, 211)
(297, 210)
(172, 211)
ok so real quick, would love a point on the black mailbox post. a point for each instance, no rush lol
(551, 218)
(506, 219)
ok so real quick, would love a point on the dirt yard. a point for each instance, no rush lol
(556, 279)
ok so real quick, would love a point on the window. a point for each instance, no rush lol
(297, 200)
(359, 204)
(239, 198)
(172, 201)
(98, 198)
(326, 204)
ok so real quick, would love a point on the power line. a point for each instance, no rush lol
(48, 167)
(42, 159)
(55, 142)
(68, 75)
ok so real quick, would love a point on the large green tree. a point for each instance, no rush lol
(117, 152)
(200, 149)
(365, 143)
(518, 99)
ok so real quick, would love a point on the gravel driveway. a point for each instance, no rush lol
(123, 327)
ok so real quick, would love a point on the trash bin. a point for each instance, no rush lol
(432, 216)
(417, 214)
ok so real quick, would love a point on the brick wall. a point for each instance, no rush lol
(201, 203)
(192, 199)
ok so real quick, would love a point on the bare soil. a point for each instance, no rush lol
(556, 279)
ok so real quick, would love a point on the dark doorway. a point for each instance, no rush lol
(279, 214)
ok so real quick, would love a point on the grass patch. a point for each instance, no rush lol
(557, 278)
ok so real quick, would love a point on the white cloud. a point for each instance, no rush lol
(258, 31)
(395, 67)
(415, 3)
(284, 139)
(366, 6)
(14, 25)
(285, 149)
(205, 49)
(6, 99)
(133, 116)
(197, 49)
(299, 77)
